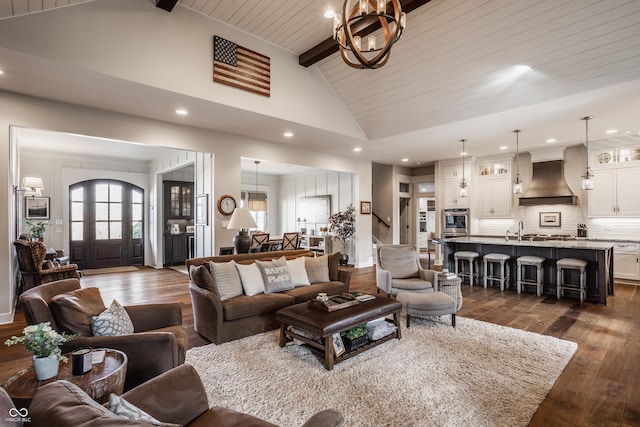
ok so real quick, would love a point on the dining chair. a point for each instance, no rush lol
(257, 239)
(290, 241)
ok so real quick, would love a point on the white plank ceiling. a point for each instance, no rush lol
(454, 68)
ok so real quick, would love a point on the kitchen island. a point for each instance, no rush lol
(599, 257)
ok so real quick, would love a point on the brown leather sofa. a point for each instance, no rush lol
(177, 397)
(220, 321)
(159, 341)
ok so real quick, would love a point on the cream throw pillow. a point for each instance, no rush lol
(251, 279)
(317, 268)
(298, 272)
(227, 280)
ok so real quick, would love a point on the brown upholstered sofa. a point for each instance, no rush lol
(177, 397)
(159, 341)
(242, 316)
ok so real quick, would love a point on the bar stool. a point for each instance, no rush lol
(571, 264)
(469, 257)
(530, 261)
(490, 261)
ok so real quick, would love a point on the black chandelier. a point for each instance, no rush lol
(358, 14)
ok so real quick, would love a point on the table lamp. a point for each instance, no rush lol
(243, 221)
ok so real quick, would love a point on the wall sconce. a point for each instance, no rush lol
(32, 186)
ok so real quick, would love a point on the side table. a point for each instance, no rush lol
(451, 287)
(102, 380)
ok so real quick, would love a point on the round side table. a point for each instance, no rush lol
(102, 380)
(451, 287)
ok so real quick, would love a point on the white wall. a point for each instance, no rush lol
(226, 149)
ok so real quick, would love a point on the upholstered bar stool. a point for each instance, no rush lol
(530, 261)
(503, 276)
(571, 264)
(469, 257)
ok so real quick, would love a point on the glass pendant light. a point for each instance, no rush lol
(517, 183)
(587, 175)
(256, 202)
(463, 190)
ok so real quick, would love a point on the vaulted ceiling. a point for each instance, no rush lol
(454, 73)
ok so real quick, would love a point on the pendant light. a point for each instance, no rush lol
(463, 191)
(256, 202)
(587, 175)
(517, 183)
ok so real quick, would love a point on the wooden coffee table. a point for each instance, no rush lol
(325, 324)
(102, 380)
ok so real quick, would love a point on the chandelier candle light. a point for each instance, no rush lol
(463, 192)
(517, 183)
(587, 175)
(356, 16)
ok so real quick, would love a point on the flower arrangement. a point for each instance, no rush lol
(343, 224)
(42, 340)
(36, 228)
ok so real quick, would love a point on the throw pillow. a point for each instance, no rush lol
(125, 409)
(201, 276)
(251, 278)
(226, 279)
(298, 272)
(74, 310)
(276, 275)
(113, 321)
(317, 268)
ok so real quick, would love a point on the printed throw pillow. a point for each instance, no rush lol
(317, 268)
(125, 409)
(113, 321)
(226, 278)
(251, 278)
(298, 272)
(276, 275)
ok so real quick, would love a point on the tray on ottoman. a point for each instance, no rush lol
(333, 303)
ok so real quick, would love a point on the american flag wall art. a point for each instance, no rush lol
(240, 67)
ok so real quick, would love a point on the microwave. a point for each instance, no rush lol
(455, 222)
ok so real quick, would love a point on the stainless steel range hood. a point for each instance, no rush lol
(548, 186)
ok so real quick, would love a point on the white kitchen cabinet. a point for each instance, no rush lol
(626, 261)
(451, 197)
(454, 172)
(615, 193)
(493, 198)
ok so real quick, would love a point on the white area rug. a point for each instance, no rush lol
(477, 374)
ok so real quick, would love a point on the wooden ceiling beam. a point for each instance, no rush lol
(329, 46)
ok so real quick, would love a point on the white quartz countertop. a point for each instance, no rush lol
(562, 244)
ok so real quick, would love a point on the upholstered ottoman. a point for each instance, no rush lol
(427, 304)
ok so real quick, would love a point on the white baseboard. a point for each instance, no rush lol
(6, 318)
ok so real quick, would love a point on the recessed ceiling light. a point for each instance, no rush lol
(288, 134)
(610, 131)
(550, 140)
(1, 72)
(329, 14)
(522, 68)
(182, 112)
(463, 153)
(405, 160)
(504, 147)
(357, 149)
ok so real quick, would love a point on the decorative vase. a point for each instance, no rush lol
(46, 367)
(344, 259)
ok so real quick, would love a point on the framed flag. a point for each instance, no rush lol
(242, 68)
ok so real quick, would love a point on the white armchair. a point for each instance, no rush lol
(398, 269)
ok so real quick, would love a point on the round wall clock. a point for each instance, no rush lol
(226, 204)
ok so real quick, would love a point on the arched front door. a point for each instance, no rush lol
(106, 224)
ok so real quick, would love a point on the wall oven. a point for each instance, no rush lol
(455, 222)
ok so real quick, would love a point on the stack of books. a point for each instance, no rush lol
(446, 276)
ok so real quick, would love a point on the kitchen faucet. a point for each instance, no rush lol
(520, 229)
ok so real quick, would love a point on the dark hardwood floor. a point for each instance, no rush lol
(599, 387)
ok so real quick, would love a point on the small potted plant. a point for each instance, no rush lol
(355, 337)
(36, 229)
(44, 342)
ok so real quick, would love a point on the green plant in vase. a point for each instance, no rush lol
(36, 228)
(342, 226)
(356, 332)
